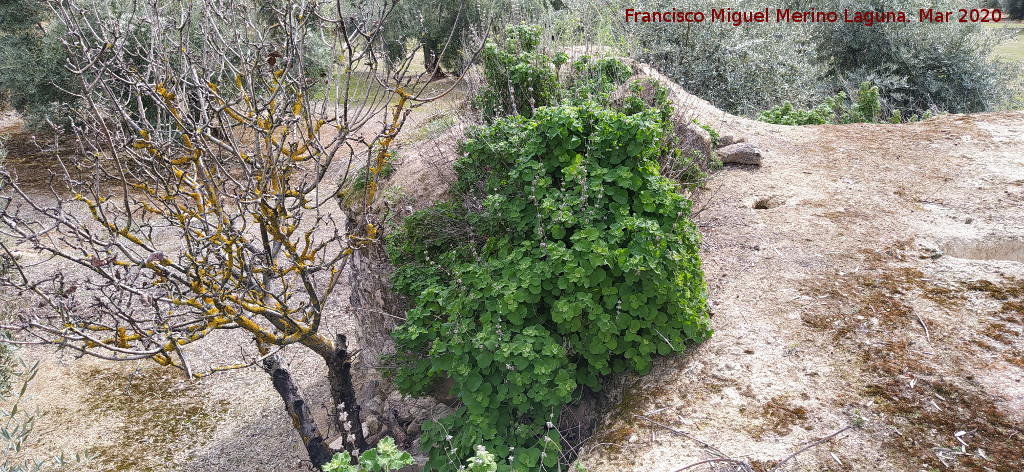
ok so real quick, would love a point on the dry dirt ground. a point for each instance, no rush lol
(865, 275)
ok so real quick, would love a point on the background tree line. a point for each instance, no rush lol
(917, 66)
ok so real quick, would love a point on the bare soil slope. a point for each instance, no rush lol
(867, 275)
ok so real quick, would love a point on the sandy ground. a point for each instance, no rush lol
(878, 284)
(832, 307)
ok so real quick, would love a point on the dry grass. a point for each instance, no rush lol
(927, 392)
(158, 410)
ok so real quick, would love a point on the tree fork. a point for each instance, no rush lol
(319, 452)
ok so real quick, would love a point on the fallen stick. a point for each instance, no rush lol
(926, 334)
(686, 435)
(708, 461)
(816, 443)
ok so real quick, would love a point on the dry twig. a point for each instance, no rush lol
(926, 333)
(809, 446)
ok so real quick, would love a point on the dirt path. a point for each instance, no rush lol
(824, 269)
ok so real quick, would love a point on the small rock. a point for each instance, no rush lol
(371, 425)
(729, 140)
(741, 153)
(928, 249)
(375, 403)
(415, 429)
(691, 137)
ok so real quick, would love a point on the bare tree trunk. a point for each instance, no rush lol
(319, 452)
(432, 60)
(346, 407)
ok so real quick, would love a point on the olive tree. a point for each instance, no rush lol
(211, 141)
(32, 79)
(446, 30)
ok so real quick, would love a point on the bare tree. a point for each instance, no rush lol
(211, 143)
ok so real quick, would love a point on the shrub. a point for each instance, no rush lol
(32, 75)
(520, 78)
(863, 108)
(577, 260)
(739, 69)
(787, 114)
(384, 458)
(917, 66)
(446, 31)
(594, 79)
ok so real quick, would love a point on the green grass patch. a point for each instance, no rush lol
(1012, 48)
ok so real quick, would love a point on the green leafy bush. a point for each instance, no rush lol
(917, 66)
(384, 458)
(787, 114)
(446, 31)
(683, 156)
(33, 79)
(741, 70)
(520, 78)
(864, 108)
(594, 79)
(572, 258)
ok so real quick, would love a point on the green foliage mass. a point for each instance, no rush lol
(563, 256)
(917, 66)
(32, 77)
(520, 77)
(865, 108)
(384, 458)
(573, 259)
(448, 30)
(739, 69)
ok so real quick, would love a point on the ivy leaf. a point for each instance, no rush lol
(572, 142)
